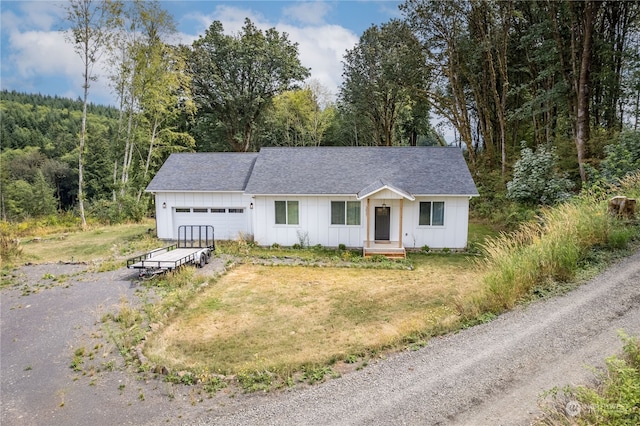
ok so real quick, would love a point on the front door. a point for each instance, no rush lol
(383, 223)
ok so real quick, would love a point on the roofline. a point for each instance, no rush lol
(154, 191)
(308, 195)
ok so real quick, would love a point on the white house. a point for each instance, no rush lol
(383, 199)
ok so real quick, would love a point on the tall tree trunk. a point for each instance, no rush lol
(83, 133)
(582, 98)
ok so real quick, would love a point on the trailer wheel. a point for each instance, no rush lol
(203, 260)
(208, 258)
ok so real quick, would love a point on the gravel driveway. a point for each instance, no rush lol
(487, 375)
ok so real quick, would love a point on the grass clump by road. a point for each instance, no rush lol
(613, 400)
(551, 250)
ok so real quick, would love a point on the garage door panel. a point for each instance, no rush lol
(227, 222)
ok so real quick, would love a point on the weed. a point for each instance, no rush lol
(213, 384)
(314, 374)
(619, 238)
(252, 381)
(351, 359)
(615, 401)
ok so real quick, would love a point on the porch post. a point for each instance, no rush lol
(400, 239)
(368, 200)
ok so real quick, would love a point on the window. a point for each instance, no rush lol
(236, 210)
(200, 210)
(217, 210)
(286, 212)
(345, 212)
(431, 213)
(181, 210)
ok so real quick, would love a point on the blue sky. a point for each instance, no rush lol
(34, 57)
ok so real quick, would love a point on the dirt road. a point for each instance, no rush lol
(487, 375)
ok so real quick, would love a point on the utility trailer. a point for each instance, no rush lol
(194, 247)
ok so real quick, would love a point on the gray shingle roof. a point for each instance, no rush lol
(350, 170)
(321, 170)
(219, 171)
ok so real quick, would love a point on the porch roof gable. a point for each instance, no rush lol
(380, 185)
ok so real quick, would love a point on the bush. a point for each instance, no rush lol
(622, 158)
(536, 179)
(125, 209)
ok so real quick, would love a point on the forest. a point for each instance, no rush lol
(543, 99)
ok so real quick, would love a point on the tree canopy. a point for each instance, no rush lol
(235, 78)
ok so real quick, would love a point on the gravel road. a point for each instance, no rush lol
(487, 375)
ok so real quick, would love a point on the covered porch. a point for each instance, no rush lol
(384, 221)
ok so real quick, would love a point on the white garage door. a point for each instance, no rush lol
(227, 222)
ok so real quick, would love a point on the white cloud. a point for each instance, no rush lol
(322, 49)
(42, 53)
(38, 55)
(311, 13)
(232, 19)
(42, 15)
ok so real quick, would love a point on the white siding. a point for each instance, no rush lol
(315, 222)
(167, 202)
(452, 235)
(314, 227)
(315, 219)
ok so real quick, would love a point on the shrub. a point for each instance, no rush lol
(536, 179)
(126, 208)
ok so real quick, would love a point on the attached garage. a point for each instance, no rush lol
(204, 189)
(228, 223)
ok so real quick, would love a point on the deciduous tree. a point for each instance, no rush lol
(382, 74)
(90, 23)
(235, 77)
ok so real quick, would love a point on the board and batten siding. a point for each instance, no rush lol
(165, 215)
(315, 226)
(452, 235)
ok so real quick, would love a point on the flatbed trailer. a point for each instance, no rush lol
(194, 247)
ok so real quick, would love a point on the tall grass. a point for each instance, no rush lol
(550, 248)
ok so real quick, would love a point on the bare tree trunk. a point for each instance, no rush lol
(154, 131)
(83, 133)
(582, 104)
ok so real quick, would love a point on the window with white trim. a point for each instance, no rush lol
(345, 212)
(286, 213)
(431, 213)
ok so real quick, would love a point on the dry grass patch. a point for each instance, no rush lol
(97, 243)
(282, 318)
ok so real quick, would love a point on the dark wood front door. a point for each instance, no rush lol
(383, 223)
